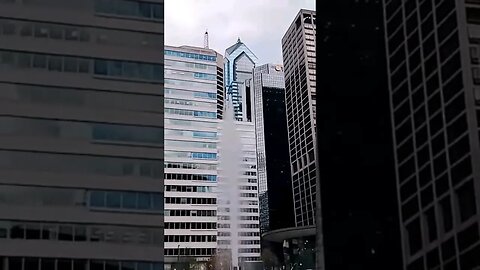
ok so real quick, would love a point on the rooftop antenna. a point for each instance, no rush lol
(205, 40)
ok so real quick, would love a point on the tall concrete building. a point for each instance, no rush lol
(298, 45)
(274, 177)
(432, 51)
(298, 48)
(357, 169)
(81, 127)
(239, 64)
(191, 127)
(248, 213)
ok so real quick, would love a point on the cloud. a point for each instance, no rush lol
(260, 24)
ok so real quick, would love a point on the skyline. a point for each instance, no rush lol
(224, 28)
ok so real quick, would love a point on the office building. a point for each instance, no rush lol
(239, 64)
(357, 170)
(248, 213)
(81, 127)
(191, 138)
(298, 46)
(302, 245)
(274, 178)
(432, 52)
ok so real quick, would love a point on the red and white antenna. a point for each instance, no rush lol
(205, 40)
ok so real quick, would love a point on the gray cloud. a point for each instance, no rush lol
(260, 24)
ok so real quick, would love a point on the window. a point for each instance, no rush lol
(466, 201)
(468, 236)
(414, 236)
(446, 213)
(54, 63)
(139, 9)
(431, 224)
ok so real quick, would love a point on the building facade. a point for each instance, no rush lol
(239, 64)
(357, 169)
(432, 52)
(274, 177)
(248, 231)
(191, 138)
(298, 45)
(298, 49)
(81, 127)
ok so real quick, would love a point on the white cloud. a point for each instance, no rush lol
(260, 24)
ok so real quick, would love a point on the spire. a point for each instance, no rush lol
(205, 40)
(238, 40)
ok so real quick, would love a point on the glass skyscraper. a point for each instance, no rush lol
(239, 64)
(81, 134)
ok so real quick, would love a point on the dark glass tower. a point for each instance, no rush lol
(432, 51)
(357, 173)
(275, 183)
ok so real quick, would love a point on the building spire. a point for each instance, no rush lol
(238, 40)
(205, 40)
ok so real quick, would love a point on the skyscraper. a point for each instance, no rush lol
(81, 127)
(274, 178)
(239, 64)
(357, 170)
(298, 48)
(191, 137)
(432, 52)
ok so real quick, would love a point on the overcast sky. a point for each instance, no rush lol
(260, 24)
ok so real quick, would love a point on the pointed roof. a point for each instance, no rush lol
(235, 46)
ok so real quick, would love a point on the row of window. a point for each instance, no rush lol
(220, 217)
(184, 102)
(74, 64)
(189, 123)
(182, 64)
(189, 75)
(191, 225)
(175, 188)
(241, 242)
(184, 200)
(81, 233)
(195, 177)
(190, 166)
(130, 8)
(66, 197)
(128, 69)
(190, 144)
(201, 114)
(228, 234)
(190, 238)
(189, 133)
(85, 98)
(190, 84)
(191, 55)
(55, 31)
(190, 213)
(41, 263)
(80, 164)
(189, 251)
(248, 250)
(16, 126)
(148, 201)
(193, 155)
(243, 226)
(191, 94)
